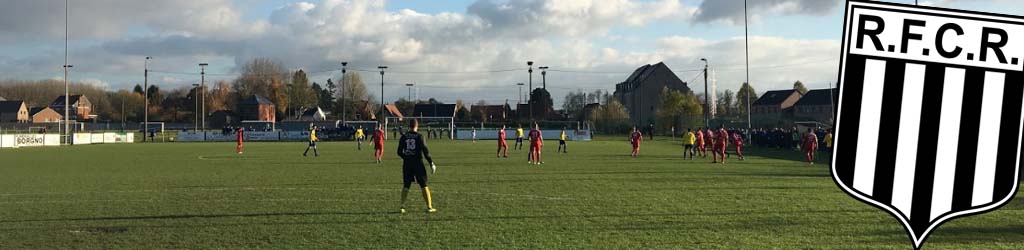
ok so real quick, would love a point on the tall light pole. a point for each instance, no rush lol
(746, 41)
(195, 108)
(382, 68)
(202, 89)
(707, 123)
(409, 85)
(520, 93)
(529, 100)
(343, 104)
(67, 118)
(145, 93)
(544, 76)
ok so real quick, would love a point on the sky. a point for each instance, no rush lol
(454, 49)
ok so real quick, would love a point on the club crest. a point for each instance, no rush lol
(929, 121)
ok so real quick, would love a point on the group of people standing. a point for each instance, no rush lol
(698, 142)
(536, 139)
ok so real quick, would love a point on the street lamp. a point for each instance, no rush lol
(202, 88)
(382, 68)
(343, 68)
(145, 93)
(544, 76)
(707, 123)
(409, 85)
(529, 100)
(520, 93)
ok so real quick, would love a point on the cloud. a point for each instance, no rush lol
(732, 11)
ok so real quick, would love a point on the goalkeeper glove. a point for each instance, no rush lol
(433, 168)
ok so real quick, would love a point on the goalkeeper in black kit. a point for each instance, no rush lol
(412, 149)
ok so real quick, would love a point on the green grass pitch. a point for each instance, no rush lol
(203, 195)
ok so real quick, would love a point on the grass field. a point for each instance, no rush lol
(195, 195)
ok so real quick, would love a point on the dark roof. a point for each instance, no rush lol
(256, 100)
(60, 100)
(34, 111)
(819, 97)
(11, 106)
(433, 110)
(774, 97)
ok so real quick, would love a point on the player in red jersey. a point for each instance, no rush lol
(241, 139)
(536, 143)
(700, 143)
(501, 142)
(709, 141)
(635, 139)
(721, 143)
(378, 143)
(737, 140)
(810, 144)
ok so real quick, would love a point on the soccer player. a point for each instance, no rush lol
(561, 143)
(359, 137)
(689, 139)
(709, 141)
(721, 142)
(312, 142)
(700, 143)
(501, 143)
(635, 138)
(737, 140)
(828, 141)
(536, 142)
(241, 139)
(519, 138)
(413, 149)
(378, 143)
(810, 144)
(474, 135)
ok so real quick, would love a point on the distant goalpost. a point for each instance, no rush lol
(447, 123)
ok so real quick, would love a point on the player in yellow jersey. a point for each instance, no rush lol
(561, 143)
(360, 136)
(519, 138)
(689, 139)
(312, 142)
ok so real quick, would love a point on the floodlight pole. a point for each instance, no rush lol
(145, 93)
(529, 100)
(67, 119)
(195, 108)
(746, 41)
(544, 76)
(409, 85)
(520, 93)
(202, 89)
(382, 68)
(343, 108)
(707, 105)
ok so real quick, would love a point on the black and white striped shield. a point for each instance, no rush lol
(929, 121)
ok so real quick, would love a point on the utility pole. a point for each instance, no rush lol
(202, 89)
(707, 109)
(145, 93)
(529, 100)
(67, 118)
(544, 76)
(343, 104)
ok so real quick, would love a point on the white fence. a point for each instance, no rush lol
(29, 140)
(102, 138)
(510, 134)
(249, 136)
